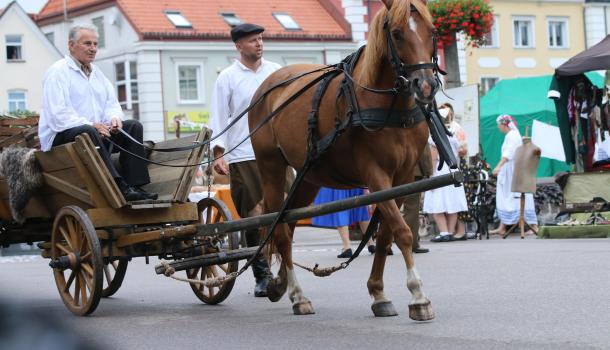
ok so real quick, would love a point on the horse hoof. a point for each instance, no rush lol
(303, 308)
(275, 290)
(384, 309)
(421, 312)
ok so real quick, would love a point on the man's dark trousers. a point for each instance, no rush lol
(133, 170)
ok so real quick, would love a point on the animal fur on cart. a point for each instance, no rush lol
(23, 175)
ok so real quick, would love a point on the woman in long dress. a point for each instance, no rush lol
(507, 202)
(343, 219)
(444, 203)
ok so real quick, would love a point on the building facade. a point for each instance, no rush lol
(597, 21)
(164, 57)
(26, 53)
(528, 38)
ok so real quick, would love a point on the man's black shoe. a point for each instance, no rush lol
(148, 195)
(420, 250)
(131, 194)
(260, 289)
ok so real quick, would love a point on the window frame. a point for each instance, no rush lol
(101, 31)
(20, 45)
(485, 91)
(495, 34)
(129, 102)
(186, 25)
(532, 21)
(566, 31)
(200, 85)
(284, 25)
(226, 15)
(24, 100)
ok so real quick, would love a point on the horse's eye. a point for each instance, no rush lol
(397, 35)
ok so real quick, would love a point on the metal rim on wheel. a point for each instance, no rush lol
(114, 273)
(76, 260)
(212, 210)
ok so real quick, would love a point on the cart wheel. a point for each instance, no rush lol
(114, 273)
(212, 211)
(76, 252)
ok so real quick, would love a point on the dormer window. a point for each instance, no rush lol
(231, 19)
(286, 21)
(178, 20)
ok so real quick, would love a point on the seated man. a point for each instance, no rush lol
(78, 98)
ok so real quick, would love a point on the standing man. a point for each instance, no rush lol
(232, 94)
(423, 169)
(78, 98)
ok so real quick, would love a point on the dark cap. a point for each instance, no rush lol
(245, 29)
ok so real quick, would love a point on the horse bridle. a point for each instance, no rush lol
(401, 69)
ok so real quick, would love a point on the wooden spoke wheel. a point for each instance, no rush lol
(76, 259)
(114, 273)
(212, 211)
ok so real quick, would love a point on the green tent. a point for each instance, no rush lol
(525, 99)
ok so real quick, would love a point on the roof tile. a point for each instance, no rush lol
(150, 21)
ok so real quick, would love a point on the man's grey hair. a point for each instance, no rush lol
(74, 33)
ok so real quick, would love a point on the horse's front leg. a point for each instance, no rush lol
(394, 226)
(382, 306)
(420, 308)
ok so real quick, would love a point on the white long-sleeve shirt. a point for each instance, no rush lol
(70, 99)
(232, 94)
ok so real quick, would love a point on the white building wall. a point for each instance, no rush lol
(38, 56)
(597, 24)
(354, 14)
(151, 94)
(119, 35)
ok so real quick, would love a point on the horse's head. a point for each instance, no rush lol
(411, 47)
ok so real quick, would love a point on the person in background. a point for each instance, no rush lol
(507, 202)
(412, 203)
(444, 203)
(77, 98)
(343, 219)
(232, 94)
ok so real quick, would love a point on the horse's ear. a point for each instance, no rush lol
(388, 3)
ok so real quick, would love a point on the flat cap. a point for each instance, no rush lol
(245, 29)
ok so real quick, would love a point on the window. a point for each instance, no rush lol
(13, 48)
(286, 21)
(492, 39)
(50, 36)
(178, 19)
(558, 32)
(487, 83)
(126, 74)
(189, 82)
(16, 101)
(523, 32)
(231, 19)
(98, 22)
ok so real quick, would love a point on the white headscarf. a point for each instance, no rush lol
(507, 120)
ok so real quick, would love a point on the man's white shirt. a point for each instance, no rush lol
(70, 99)
(232, 94)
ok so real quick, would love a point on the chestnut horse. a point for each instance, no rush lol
(359, 157)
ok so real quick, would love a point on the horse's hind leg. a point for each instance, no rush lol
(273, 178)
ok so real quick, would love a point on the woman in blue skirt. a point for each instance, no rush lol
(341, 220)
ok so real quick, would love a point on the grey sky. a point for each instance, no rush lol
(30, 6)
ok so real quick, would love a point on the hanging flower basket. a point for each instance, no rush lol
(473, 18)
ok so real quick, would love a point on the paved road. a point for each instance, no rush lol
(496, 294)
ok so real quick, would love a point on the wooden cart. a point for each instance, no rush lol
(90, 232)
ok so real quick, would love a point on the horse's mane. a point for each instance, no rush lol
(377, 48)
